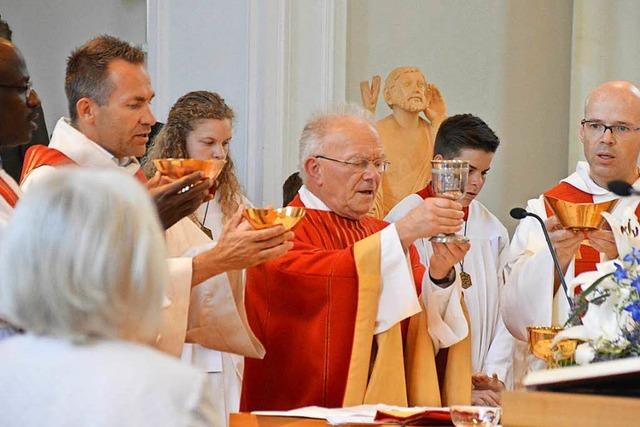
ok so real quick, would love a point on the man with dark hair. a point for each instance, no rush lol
(109, 94)
(467, 137)
(18, 105)
(290, 188)
(12, 157)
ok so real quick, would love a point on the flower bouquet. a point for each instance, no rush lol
(605, 320)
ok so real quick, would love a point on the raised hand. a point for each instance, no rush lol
(603, 241)
(176, 199)
(565, 242)
(240, 246)
(370, 93)
(433, 216)
(445, 256)
(436, 110)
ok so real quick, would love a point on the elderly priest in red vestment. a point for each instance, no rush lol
(346, 317)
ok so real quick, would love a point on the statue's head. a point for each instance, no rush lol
(406, 88)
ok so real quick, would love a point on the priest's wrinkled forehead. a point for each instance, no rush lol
(353, 137)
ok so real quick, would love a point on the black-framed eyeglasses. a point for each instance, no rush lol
(594, 129)
(27, 88)
(360, 165)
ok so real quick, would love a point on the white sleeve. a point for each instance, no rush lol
(218, 316)
(398, 298)
(499, 358)
(447, 324)
(445, 316)
(173, 327)
(36, 176)
(527, 296)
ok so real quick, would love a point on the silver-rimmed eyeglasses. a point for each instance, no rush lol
(359, 164)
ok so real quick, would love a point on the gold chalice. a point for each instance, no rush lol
(288, 217)
(178, 168)
(540, 338)
(579, 216)
(540, 345)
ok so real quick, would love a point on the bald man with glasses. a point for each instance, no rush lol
(610, 135)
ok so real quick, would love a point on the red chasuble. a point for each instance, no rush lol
(589, 257)
(302, 306)
(7, 193)
(40, 155)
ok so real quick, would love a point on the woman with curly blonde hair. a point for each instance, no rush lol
(199, 126)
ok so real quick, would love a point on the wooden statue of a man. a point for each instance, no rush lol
(407, 138)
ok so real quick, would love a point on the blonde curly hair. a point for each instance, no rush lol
(171, 141)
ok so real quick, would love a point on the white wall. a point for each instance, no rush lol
(47, 31)
(274, 61)
(507, 61)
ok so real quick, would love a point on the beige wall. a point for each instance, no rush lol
(506, 61)
(606, 46)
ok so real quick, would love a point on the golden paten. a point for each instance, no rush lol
(288, 217)
(177, 168)
(579, 216)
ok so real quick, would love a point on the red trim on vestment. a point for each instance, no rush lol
(7, 193)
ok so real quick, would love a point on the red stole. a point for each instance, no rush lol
(302, 307)
(41, 155)
(7, 193)
(589, 257)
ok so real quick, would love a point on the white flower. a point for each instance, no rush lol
(584, 354)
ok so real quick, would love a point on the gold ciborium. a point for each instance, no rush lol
(288, 217)
(177, 168)
(579, 216)
(540, 345)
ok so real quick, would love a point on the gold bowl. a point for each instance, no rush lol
(288, 217)
(579, 216)
(540, 345)
(178, 168)
(540, 338)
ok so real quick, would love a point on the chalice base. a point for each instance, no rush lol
(449, 238)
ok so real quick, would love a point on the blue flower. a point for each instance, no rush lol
(620, 272)
(634, 309)
(636, 284)
(633, 256)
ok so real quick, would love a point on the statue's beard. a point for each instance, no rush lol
(413, 105)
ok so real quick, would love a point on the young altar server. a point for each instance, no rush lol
(467, 137)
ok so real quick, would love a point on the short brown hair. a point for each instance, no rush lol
(87, 76)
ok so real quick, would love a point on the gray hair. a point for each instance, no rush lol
(83, 257)
(326, 123)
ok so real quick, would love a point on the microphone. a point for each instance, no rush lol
(520, 213)
(622, 188)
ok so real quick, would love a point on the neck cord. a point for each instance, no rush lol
(465, 235)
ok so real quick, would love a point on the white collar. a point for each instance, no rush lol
(82, 150)
(582, 181)
(311, 201)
